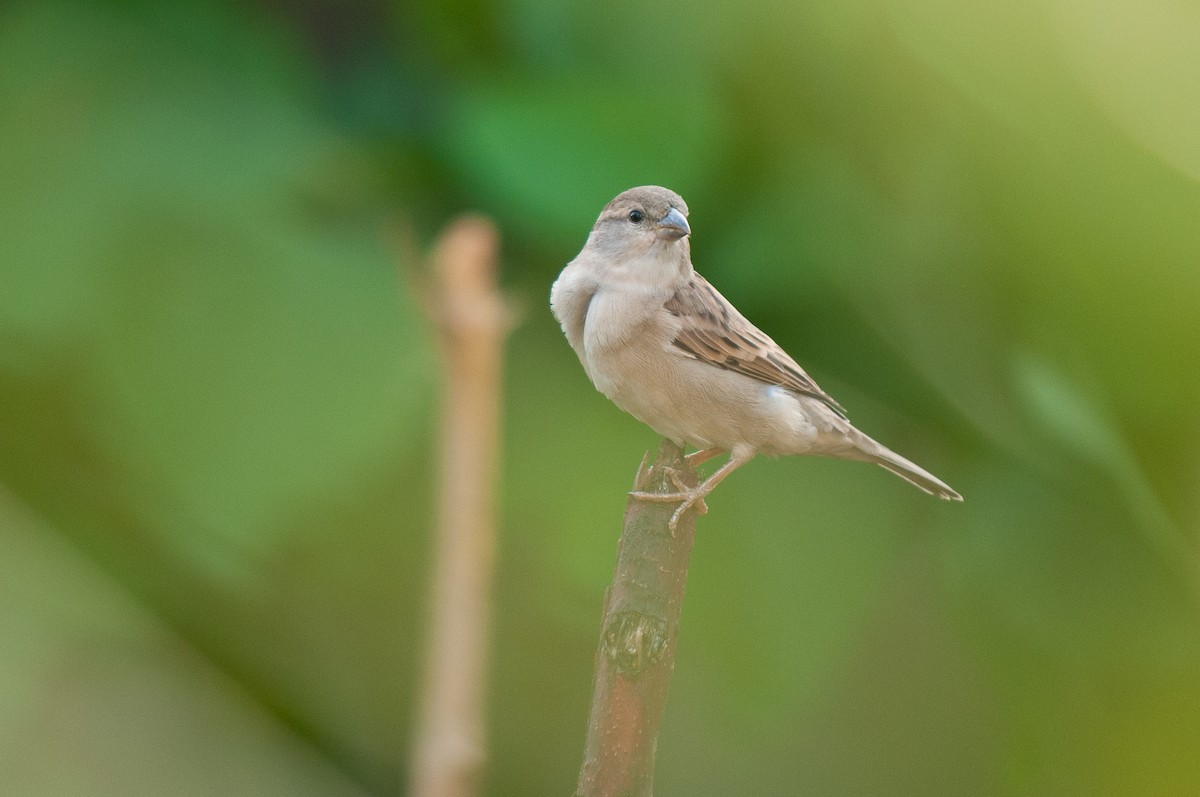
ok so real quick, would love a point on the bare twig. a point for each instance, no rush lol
(637, 638)
(472, 322)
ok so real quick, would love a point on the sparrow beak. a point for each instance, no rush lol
(672, 226)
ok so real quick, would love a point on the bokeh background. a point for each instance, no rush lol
(977, 225)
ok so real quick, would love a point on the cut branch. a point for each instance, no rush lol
(637, 640)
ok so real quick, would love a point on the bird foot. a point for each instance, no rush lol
(687, 497)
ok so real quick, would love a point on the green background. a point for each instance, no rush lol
(976, 224)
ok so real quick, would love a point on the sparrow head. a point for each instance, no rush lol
(641, 217)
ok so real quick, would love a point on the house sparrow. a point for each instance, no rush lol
(661, 342)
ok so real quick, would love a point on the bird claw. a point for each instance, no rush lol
(659, 498)
(687, 497)
(696, 501)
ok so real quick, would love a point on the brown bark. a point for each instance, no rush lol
(637, 641)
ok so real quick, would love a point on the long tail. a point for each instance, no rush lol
(912, 473)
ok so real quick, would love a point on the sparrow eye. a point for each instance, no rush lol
(636, 216)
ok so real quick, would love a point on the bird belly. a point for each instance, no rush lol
(694, 402)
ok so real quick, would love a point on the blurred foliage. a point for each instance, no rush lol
(977, 224)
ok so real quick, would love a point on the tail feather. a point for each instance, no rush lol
(909, 471)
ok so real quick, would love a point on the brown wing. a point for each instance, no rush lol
(715, 332)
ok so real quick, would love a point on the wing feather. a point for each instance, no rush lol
(713, 331)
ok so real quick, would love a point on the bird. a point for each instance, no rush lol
(666, 347)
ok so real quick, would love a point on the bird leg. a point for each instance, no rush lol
(697, 457)
(694, 497)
